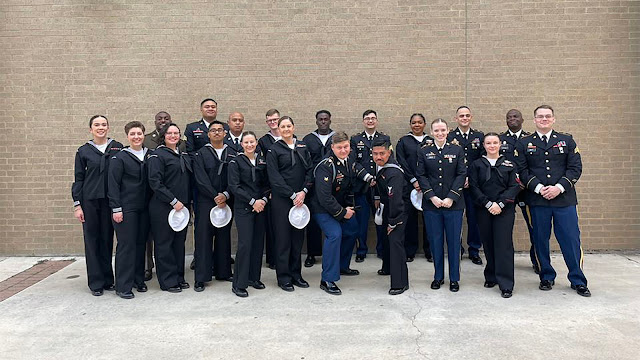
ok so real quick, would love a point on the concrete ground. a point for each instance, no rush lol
(58, 318)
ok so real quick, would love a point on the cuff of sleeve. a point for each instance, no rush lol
(292, 197)
(501, 204)
(393, 226)
(306, 191)
(76, 203)
(488, 204)
(226, 194)
(376, 197)
(413, 179)
(252, 201)
(538, 188)
(562, 189)
(265, 199)
(368, 177)
(173, 202)
(117, 210)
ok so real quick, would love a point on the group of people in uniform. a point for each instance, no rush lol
(339, 183)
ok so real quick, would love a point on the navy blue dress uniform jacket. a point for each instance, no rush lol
(265, 142)
(334, 186)
(248, 182)
(290, 170)
(407, 155)
(91, 171)
(315, 147)
(557, 162)
(361, 152)
(472, 147)
(210, 172)
(390, 184)
(169, 175)
(197, 135)
(489, 184)
(228, 140)
(128, 182)
(442, 174)
(507, 149)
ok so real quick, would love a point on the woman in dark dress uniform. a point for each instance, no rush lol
(492, 181)
(248, 184)
(91, 206)
(407, 157)
(291, 177)
(441, 174)
(169, 174)
(129, 198)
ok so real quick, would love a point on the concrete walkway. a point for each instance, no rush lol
(58, 318)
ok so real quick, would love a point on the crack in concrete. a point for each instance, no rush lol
(413, 323)
(630, 259)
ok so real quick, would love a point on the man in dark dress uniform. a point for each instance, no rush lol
(550, 165)
(508, 140)
(471, 142)
(319, 146)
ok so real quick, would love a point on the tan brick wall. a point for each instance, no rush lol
(60, 64)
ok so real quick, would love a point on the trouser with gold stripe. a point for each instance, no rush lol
(565, 227)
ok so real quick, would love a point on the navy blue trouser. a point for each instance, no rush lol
(339, 239)
(565, 227)
(248, 264)
(132, 235)
(438, 223)
(497, 238)
(98, 243)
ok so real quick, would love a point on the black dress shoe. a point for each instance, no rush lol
(349, 272)
(232, 261)
(230, 278)
(98, 292)
(240, 292)
(183, 285)
(582, 290)
(192, 266)
(489, 284)
(174, 289)
(453, 286)
(148, 275)
(409, 259)
(288, 287)
(507, 293)
(435, 284)
(475, 259)
(142, 287)
(257, 284)
(198, 286)
(429, 259)
(301, 283)
(272, 266)
(330, 287)
(110, 287)
(125, 295)
(536, 268)
(545, 285)
(309, 261)
(383, 272)
(360, 258)
(399, 291)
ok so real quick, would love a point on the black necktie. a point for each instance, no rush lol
(236, 142)
(544, 139)
(465, 136)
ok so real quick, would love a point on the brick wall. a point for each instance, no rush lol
(63, 61)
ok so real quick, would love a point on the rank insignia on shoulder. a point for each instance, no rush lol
(455, 142)
(326, 178)
(515, 153)
(576, 150)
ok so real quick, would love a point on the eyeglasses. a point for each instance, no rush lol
(216, 131)
(464, 116)
(548, 116)
(372, 118)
